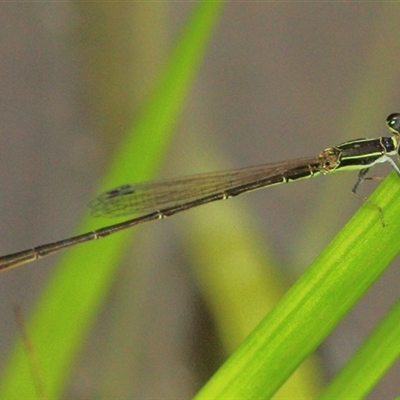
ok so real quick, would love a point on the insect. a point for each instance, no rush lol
(160, 199)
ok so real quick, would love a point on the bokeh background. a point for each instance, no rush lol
(279, 81)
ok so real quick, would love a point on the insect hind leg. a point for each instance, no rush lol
(362, 176)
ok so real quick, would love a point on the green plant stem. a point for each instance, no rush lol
(315, 304)
(374, 357)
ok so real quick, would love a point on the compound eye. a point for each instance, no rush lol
(393, 122)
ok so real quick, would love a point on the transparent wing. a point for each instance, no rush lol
(150, 196)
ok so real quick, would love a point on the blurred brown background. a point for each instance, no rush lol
(279, 81)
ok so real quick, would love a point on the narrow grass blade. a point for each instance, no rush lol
(69, 303)
(315, 304)
(370, 362)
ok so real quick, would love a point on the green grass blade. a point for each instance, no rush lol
(315, 304)
(370, 362)
(69, 303)
(235, 270)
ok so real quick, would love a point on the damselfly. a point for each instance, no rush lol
(160, 199)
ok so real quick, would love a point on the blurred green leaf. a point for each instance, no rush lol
(70, 302)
